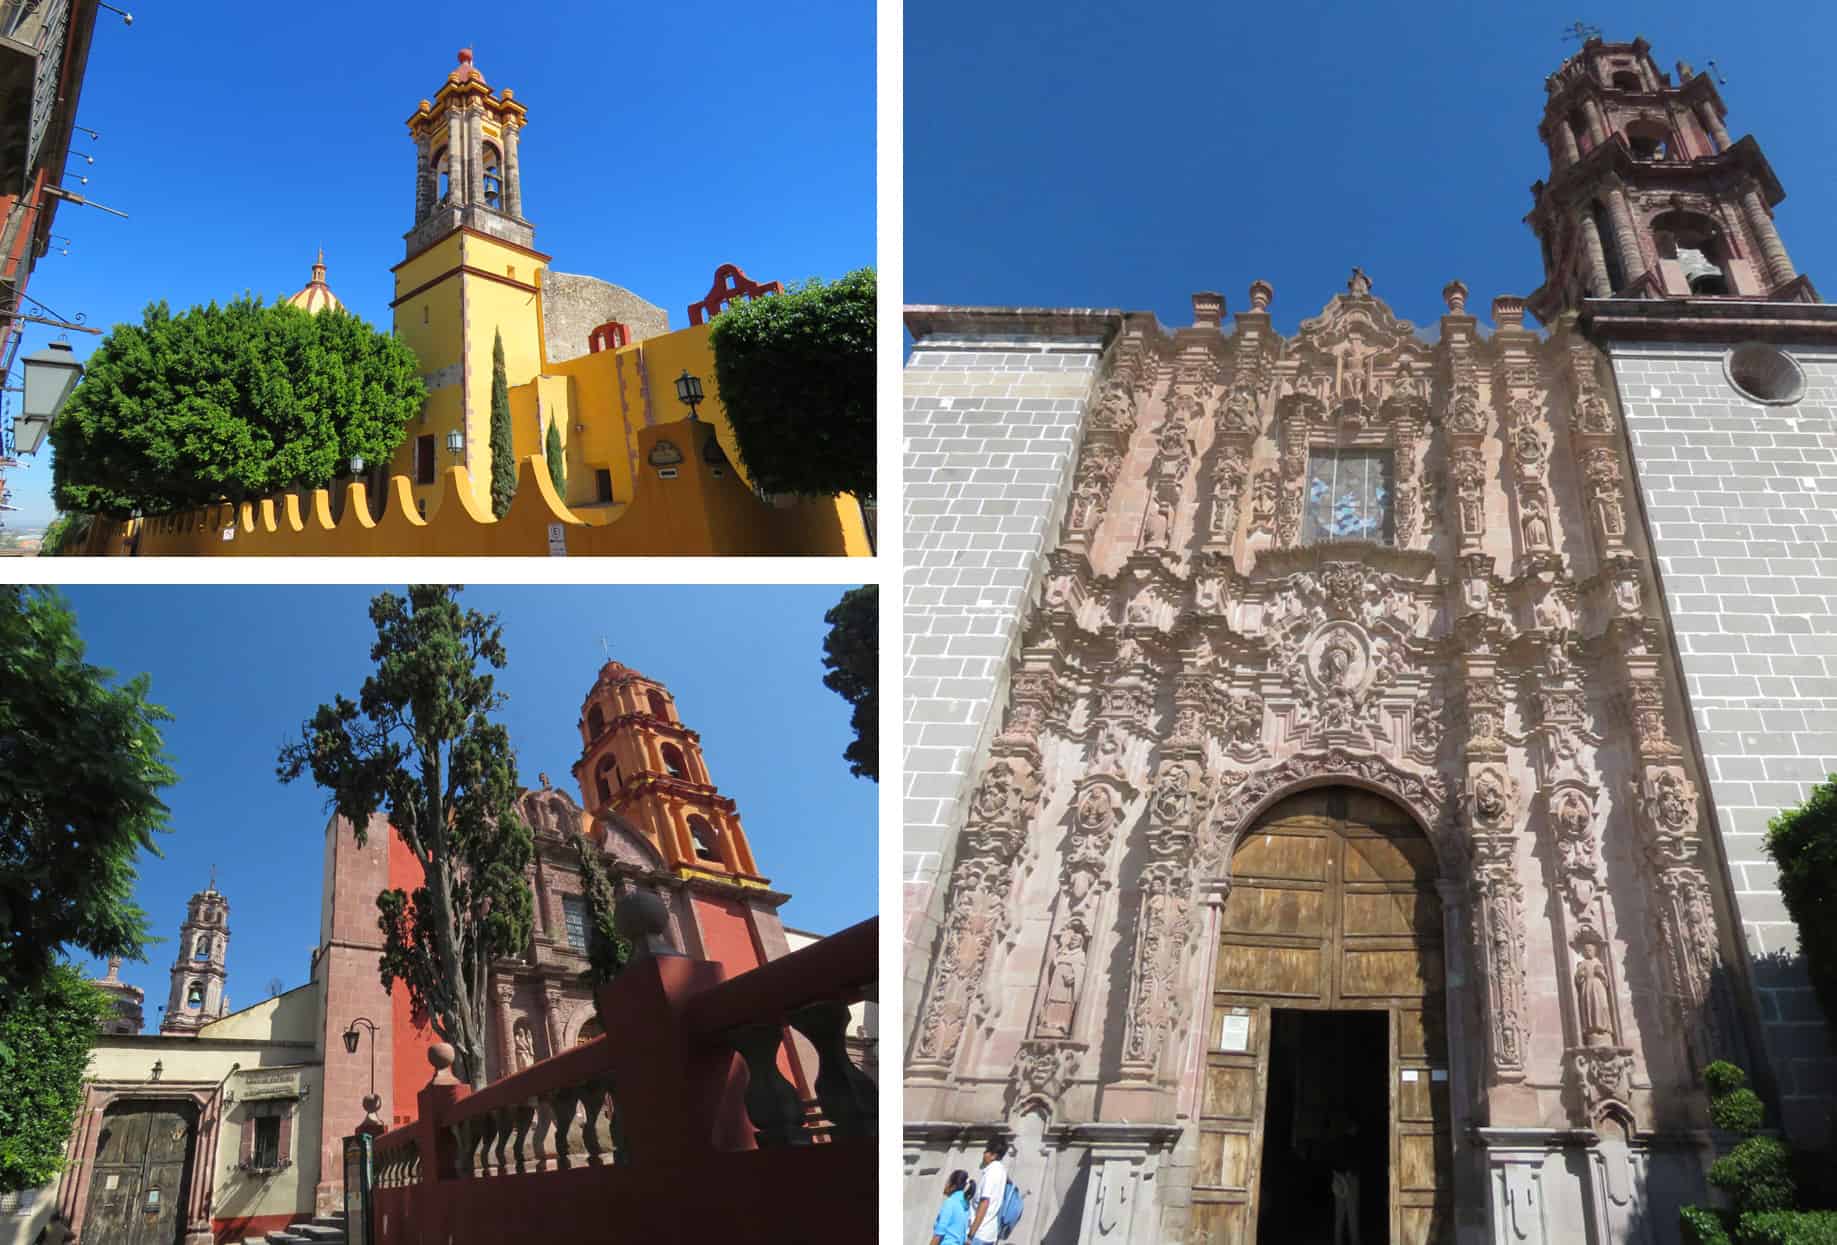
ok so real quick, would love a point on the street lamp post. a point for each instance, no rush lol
(689, 391)
(51, 376)
(372, 1122)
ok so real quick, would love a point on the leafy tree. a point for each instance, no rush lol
(503, 457)
(419, 746)
(606, 951)
(65, 536)
(45, 1039)
(796, 377)
(1803, 843)
(81, 768)
(851, 653)
(558, 466)
(229, 402)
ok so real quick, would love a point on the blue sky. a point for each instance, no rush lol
(242, 668)
(663, 140)
(1105, 155)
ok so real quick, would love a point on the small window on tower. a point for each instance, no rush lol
(445, 191)
(1649, 140)
(703, 834)
(606, 779)
(596, 722)
(203, 951)
(673, 761)
(1626, 80)
(1349, 496)
(574, 913)
(658, 708)
(494, 196)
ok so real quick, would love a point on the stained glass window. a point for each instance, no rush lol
(1349, 496)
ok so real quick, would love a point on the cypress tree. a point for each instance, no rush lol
(503, 460)
(558, 468)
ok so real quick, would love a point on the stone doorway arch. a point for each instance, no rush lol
(1327, 916)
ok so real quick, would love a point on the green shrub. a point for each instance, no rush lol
(1803, 843)
(1787, 1227)
(1740, 1112)
(1723, 1077)
(1703, 1226)
(1756, 1175)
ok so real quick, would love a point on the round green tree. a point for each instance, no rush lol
(229, 402)
(796, 377)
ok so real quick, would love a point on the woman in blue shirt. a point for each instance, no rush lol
(953, 1221)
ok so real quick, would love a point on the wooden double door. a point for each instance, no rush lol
(141, 1175)
(1327, 1053)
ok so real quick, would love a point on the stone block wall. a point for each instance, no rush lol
(573, 307)
(1742, 503)
(994, 402)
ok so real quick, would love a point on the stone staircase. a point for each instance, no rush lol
(319, 1230)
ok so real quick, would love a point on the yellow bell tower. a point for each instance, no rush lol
(471, 274)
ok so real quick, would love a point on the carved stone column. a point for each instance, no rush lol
(976, 914)
(1712, 121)
(1490, 808)
(551, 1016)
(1156, 1009)
(1596, 118)
(1773, 251)
(426, 183)
(503, 992)
(1174, 451)
(1567, 151)
(1598, 283)
(1237, 423)
(513, 183)
(1626, 236)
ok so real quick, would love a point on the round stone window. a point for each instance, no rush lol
(1764, 373)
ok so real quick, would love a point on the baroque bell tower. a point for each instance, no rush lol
(1648, 197)
(198, 975)
(640, 762)
(471, 277)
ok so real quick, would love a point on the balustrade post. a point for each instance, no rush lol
(434, 1103)
(848, 1096)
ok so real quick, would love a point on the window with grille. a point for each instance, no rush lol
(1349, 496)
(267, 1153)
(574, 912)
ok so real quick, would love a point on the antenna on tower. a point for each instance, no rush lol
(604, 651)
(1720, 80)
(1581, 32)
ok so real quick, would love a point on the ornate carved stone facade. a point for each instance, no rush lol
(1478, 651)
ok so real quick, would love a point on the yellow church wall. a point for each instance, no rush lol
(289, 1017)
(694, 514)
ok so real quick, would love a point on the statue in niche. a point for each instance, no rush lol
(1173, 799)
(998, 796)
(1594, 998)
(526, 1047)
(1489, 798)
(1263, 491)
(1551, 615)
(1109, 760)
(1536, 523)
(1062, 980)
(1160, 525)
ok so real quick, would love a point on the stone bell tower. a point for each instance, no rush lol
(466, 173)
(638, 760)
(1648, 197)
(198, 975)
(470, 279)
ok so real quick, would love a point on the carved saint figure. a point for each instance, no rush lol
(1160, 523)
(1572, 816)
(526, 1047)
(1359, 284)
(1263, 492)
(1173, 794)
(1109, 758)
(1673, 808)
(1489, 798)
(1246, 719)
(1536, 523)
(1550, 614)
(1062, 980)
(1095, 811)
(997, 797)
(1594, 999)
(1335, 666)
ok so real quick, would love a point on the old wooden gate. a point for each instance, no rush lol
(1333, 907)
(142, 1172)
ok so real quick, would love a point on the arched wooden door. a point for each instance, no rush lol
(1326, 1048)
(141, 1176)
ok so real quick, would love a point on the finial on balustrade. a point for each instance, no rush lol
(441, 1055)
(1455, 294)
(643, 921)
(1260, 293)
(372, 1122)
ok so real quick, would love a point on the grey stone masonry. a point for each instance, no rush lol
(1741, 499)
(994, 403)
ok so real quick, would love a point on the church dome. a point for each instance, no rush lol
(317, 296)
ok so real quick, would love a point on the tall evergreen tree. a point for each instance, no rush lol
(558, 465)
(419, 746)
(503, 458)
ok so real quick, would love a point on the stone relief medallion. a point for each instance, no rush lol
(1339, 659)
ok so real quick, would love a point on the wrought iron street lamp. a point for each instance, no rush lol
(51, 375)
(689, 391)
(371, 1101)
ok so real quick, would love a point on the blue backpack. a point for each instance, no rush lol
(1010, 1212)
